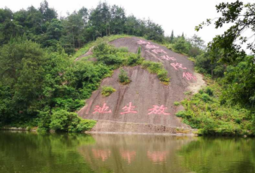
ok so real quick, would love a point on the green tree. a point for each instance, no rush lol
(172, 37)
(239, 80)
(241, 17)
(21, 69)
(197, 46)
(47, 13)
(9, 28)
(131, 25)
(205, 64)
(181, 45)
(118, 19)
(123, 77)
(53, 33)
(196, 41)
(73, 30)
(100, 18)
(154, 31)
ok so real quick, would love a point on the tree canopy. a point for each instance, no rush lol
(43, 26)
(239, 78)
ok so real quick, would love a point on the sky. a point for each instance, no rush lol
(180, 16)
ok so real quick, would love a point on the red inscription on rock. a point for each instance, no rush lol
(150, 46)
(178, 65)
(102, 110)
(159, 110)
(156, 51)
(142, 42)
(129, 109)
(188, 76)
(166, 57)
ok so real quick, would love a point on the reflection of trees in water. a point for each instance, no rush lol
(30, 153)
(228, 155)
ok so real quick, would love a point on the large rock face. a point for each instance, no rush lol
(145, 103)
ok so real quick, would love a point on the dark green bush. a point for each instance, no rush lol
(156, 68)
(123, 77)
(139, 51)
(206, 113)
(162, 75)
(134, 60)
(209, 91)
(63, 120)
(205, 97)
(107, 90)
(153, 67)
(176, 103)
(181, 114)
(123, 49)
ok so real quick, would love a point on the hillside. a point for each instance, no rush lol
(146, 105)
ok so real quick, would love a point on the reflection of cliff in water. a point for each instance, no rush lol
(131, 153)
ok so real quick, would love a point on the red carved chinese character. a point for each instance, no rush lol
(174, 65)
(166, 57)
(149, 46)
(102, 110)
(188, 76)
(142, 42)
(156, 51)
(178, 65)
(128, 109)
(160, 110)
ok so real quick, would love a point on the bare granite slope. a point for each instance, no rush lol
(145, 105)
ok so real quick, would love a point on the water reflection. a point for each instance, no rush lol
(228, 155)
(101, 154)
(33, 153)
(134, 153)
(128, 155)
(62, 153)
(157, 156)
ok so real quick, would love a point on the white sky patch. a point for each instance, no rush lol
(181, 16)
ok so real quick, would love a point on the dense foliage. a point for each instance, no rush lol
(231, 111)
(231, 58)
(35, 82)
(44, 26)
(204, 111)
(192, 47)
(41, 87)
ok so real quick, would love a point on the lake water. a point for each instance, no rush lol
(65, 153)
